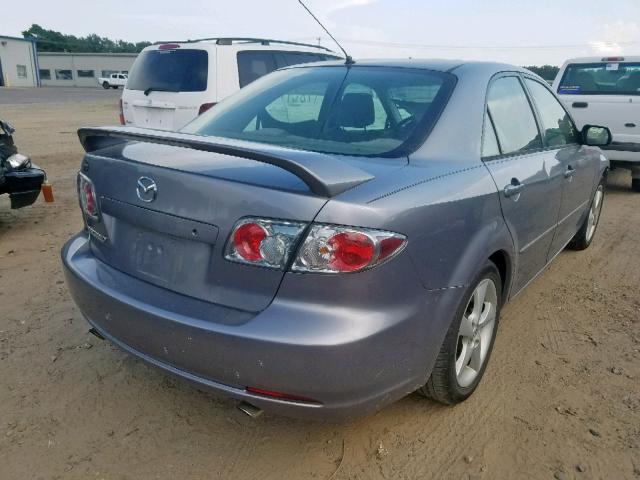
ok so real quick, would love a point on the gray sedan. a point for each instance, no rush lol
(333, 237)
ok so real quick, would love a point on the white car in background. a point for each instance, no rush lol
(171, 83)
(606, 91)
(114, 80)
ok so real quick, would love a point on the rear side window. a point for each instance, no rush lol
(601, 79)
(175, 70)
(512, 116)
(558, 127)
(254, 64)
(490, 146)
(295, 58)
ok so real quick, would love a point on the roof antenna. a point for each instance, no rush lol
(347, 58)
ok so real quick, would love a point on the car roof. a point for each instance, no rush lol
(438, 65)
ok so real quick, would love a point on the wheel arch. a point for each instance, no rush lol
(504, 264)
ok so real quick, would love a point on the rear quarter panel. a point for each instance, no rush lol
(452, 220)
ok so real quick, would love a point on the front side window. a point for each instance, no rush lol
(512, 116)
(22, 71)
(63, 74)
(558, 127)
(603, 78)
(174, 70)
(366, 111)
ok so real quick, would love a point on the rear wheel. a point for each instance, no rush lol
(585, 235)
(467, 346)
(105, 85)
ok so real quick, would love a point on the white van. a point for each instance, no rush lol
(171, 83)
(606, 91)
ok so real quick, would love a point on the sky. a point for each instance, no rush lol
(514, 31)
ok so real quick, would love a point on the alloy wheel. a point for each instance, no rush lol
(476, 331)
(594, 213)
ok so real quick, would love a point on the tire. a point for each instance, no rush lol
(584, 237)
(635, 185)
(454, 378)
(105, 85)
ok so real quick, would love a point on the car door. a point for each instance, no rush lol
(561, 139)
(527, 177)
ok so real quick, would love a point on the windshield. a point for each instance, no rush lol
(171, 70)
(368, 111)
(601, 79)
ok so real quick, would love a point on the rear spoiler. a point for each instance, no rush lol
(325, 174)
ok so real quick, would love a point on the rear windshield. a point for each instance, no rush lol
(253, 64)
(601, 79)
(173, 70)
(367, 111)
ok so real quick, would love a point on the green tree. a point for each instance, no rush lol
(52, 41)
(548, 72)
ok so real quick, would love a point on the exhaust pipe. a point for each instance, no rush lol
(248, 409)
(96, 333)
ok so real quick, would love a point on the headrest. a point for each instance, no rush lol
(356, 110)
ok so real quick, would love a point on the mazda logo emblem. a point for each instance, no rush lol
(147, 189)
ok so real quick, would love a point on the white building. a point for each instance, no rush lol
(18, 62)
(81, 69)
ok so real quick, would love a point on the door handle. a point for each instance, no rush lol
(514, 188)
(579, 104)
(569, 172)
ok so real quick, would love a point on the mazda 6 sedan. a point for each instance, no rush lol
(333, 237)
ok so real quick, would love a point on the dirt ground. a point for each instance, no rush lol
(560, 398)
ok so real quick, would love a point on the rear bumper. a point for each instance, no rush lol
(23, 186)
(351, 361)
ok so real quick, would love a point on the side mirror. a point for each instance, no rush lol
(596, 136)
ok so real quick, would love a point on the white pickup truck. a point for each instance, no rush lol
(114, 80)
(606, 91)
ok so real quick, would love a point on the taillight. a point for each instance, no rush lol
(325, 249)
(168, 46)
(121, 113)
(337, 249)
(263, 242)
(204, 107)
(87, 194)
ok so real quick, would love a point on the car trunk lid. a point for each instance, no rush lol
(174, 236)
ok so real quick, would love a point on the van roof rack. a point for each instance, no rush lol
(261, 41)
